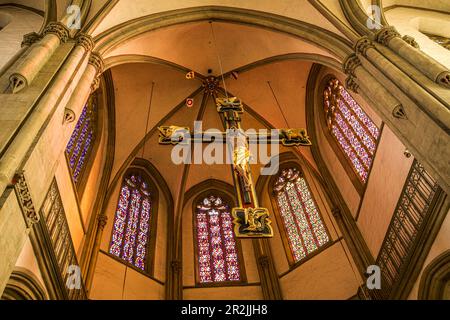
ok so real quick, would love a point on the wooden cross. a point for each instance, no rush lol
(250, 220)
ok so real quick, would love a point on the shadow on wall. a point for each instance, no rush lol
(5, 19)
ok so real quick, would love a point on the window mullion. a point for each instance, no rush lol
(353, 149)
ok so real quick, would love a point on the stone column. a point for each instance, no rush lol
(89, 82)
(421, 132)
(51, 99)
(54, 34)
(435, 71)
(102, 220)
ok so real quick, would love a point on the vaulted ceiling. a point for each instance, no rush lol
(271, 82)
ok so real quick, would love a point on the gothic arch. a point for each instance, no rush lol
(226, 192)
(325, 39)
(23, 285)
(435, 280)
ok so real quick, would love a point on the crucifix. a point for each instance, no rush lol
(250, 220)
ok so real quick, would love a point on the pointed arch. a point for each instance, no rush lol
(218, 254)
(133, 237)
(351, 133)
(23, 285)
(302, 227)
(435, 281)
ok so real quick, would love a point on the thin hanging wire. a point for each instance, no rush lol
(320, 195)
(218, 58)
(278, 103)
(342, 245)
(148, 118)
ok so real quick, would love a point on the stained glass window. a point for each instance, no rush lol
(80, 144)
(304, 228)
(356, 134)
(131, 229)
(216, 244)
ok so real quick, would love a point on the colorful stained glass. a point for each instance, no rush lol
(80, 143)
(352, 128)
(305, 230)
(131, 227)
(217, 250)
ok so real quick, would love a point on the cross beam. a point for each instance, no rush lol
(250, 220)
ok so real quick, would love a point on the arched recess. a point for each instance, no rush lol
(344, 217)
(435, 281)
(158, 184)
(291, 255)
(163, 236)
(249, 286)
(327, 118)
(23, 285)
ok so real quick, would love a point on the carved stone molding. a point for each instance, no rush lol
(102, 221)
(97, 62)
(59, 30)
(85, 41)
(351, 63)
(176, 266)
(350, 83)
(336, 213)
(411, 41)
(444, 79)
(69, 116)
(264, 261)
(363, 44)
(24, 198)
(386, 34)
(31, 38)
(399, 113)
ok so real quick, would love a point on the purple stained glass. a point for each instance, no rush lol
(216, 244)
(80, 143)
(131, 227)
(305, 230)
(355, 132)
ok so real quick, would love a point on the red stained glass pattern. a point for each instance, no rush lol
(81, 141)
(354, 131)
(304, 227)
(131, 227)
(217, 251)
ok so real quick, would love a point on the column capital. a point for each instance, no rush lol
(59, 30)
(386, 34)
(96, 60)
(102, 220)
(363, 44)
(85, 41)
(350, 83)
(30, 38)
(351, 63)
(411, 41)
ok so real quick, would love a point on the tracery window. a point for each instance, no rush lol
(355, 133)
(300, 217)
(217, 251)
(81, 142)
(132, 222)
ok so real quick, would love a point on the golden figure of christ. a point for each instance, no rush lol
(249, 219)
